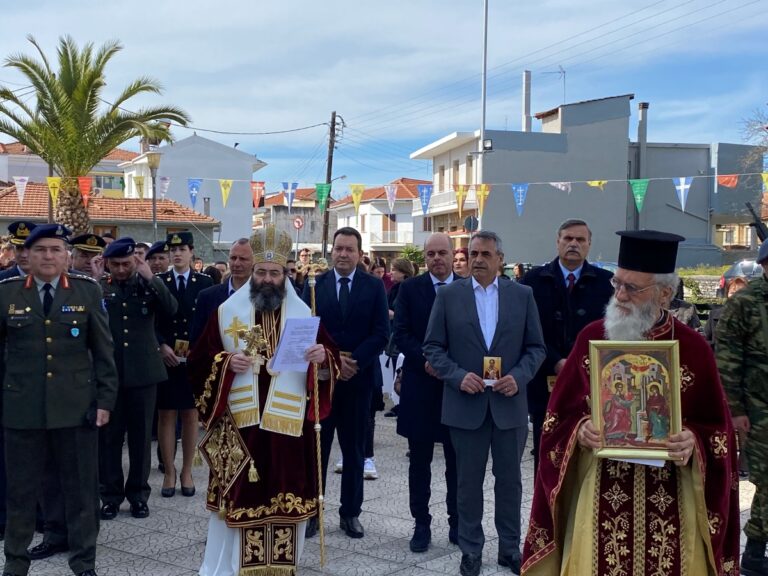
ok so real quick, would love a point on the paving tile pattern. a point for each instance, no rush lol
(171, 541)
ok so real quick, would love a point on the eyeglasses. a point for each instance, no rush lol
(630, 289)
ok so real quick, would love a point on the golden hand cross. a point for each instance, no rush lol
(234, 329)
(255, 344)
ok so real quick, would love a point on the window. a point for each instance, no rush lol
(362, 222)
(426, 224)
(101, 230)
(440, 179)
(388, 222)
(455, 173)
(469, 176)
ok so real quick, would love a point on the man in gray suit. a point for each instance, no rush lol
(472, 320)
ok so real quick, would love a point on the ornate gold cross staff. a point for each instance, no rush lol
(312, 271)
(255, 344)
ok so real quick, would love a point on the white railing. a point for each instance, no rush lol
(391, 237)
(443, 199)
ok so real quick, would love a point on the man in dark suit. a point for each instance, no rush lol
(474, 319)
(353, 309)
(175, 395)
(421, 393)
(570, 293)
(209, 300)
(133, 297)
(59, 386)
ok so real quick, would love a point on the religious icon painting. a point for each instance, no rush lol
(491, 369)
(635, 397)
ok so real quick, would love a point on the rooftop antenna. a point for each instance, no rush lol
(561, 74)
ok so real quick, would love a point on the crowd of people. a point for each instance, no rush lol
(108, 338)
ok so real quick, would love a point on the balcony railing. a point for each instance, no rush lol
(391, 237)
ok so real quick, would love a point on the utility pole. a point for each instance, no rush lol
(328, 178)
(50, 200)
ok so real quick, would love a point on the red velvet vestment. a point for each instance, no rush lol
(636, 514)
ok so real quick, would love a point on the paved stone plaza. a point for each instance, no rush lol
(171, 541)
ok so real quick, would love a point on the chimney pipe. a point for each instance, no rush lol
(526, 101)
(642, 139)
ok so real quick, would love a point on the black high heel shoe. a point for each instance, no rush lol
(186, 490)
(169, 492)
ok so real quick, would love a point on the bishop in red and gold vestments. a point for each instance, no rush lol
(603, 517)
(259, 443)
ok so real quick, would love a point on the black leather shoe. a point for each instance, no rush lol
(453, 535)
(188, 492)
(470, 564)
(109, 511)
(422, 536)
(139, 510)
(351, 527)
(88, 573)
(312, 528)
(46, 550)
(512, 561)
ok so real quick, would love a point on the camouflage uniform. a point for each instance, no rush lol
(742, 356)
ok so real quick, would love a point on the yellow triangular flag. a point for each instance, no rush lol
(357, 195)
(597, 183)
(765, 181)
(226, 187)
(54, 186)
(138, 181)
(461, 194)
(482, 192)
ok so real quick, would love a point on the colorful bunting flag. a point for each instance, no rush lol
(425, 194)
(138, 181)
(84, 183)
(193, 186)
(391, 190)
(54, 186)
(226, 188)
(289, 189)
(357, 195)
(165, 183)
(257, 192)
(520, 191)
(682, 186)
(564, 186)
(728, 180)
(21, 187)
(765, 181)
(598, 184)
(639, 189)
(322, 191)
(482, 191)
(461, 196)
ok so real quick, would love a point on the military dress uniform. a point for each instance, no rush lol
(57, 370)
(176, 393)
(132, 307)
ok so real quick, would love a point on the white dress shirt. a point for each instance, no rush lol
(339, 276)
(487, 304)
(436, 280)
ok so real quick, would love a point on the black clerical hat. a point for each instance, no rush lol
(648, 251)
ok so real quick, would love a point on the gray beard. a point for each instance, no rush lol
(266, 297)
(632, 326)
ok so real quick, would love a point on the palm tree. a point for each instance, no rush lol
(69, 125)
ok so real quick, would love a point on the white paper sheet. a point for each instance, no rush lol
(298, 335)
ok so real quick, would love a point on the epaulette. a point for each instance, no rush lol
(12, 278)
(81, 277)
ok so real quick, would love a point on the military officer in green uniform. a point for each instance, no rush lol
(175, 395)
(59, 387)
(87, 255)
(133, 297)
(741, 344)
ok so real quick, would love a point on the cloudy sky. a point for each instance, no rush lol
(403, 73)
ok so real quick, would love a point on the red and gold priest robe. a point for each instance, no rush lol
(602, 517)
(260, 481)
